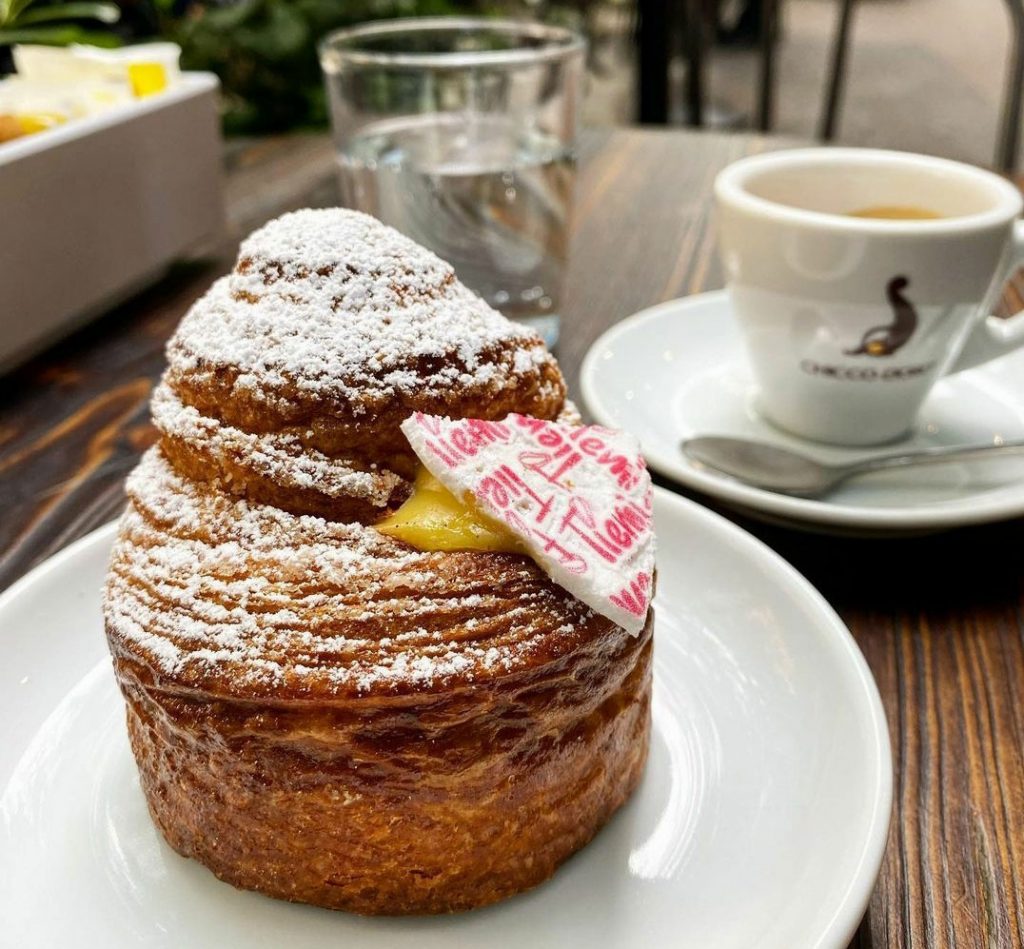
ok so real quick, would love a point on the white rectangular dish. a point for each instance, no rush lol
(95, 209)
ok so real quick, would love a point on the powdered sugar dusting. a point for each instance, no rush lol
(281, 457)
(330, 319)
(230, 596)
(332, 303)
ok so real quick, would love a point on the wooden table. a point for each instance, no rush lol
(940, 619)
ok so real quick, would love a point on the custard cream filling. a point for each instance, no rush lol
(434, 519)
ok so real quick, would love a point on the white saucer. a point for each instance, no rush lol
(761, 818)
(678, 370)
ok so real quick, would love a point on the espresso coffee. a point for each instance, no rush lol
(896, 212)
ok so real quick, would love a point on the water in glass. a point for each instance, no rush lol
(482, 192)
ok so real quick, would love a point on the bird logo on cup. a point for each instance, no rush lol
(886, 339)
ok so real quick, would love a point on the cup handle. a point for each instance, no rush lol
(994, 336)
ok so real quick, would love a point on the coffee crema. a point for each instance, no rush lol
(896, 212)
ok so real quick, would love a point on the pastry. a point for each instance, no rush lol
(320, 710)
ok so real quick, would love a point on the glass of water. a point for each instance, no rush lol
(460, 133)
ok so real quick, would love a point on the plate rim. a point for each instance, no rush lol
(849, 913)
(931, 516)
(55, 561)
(851, 907)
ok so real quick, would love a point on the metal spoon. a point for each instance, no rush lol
(788, 472)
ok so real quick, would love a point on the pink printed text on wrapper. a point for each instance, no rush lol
(578, 497)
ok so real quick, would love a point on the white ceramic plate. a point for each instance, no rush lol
(678, 370)
(761, 818)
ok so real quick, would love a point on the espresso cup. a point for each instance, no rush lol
(849, 321)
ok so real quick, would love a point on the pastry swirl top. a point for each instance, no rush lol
(207, 593)
(331, 330)
(247, 566)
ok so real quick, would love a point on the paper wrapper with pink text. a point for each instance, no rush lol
(578, 497)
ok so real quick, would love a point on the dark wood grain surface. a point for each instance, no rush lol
(940, 618)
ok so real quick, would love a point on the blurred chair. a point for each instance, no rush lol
(654, 52)
(662, 27)
(664, 24)
(1008, 143)
(665, 27)
(836, 72)
(765, 116)
(1009, 126)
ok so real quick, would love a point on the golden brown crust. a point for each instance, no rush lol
(426, 732)
(318, 711)
(329, 358)
(238, 473)
(398, 806)
(221, 597)
(330, 419)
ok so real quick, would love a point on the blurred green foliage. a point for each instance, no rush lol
(264, 51)
(57, 24)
